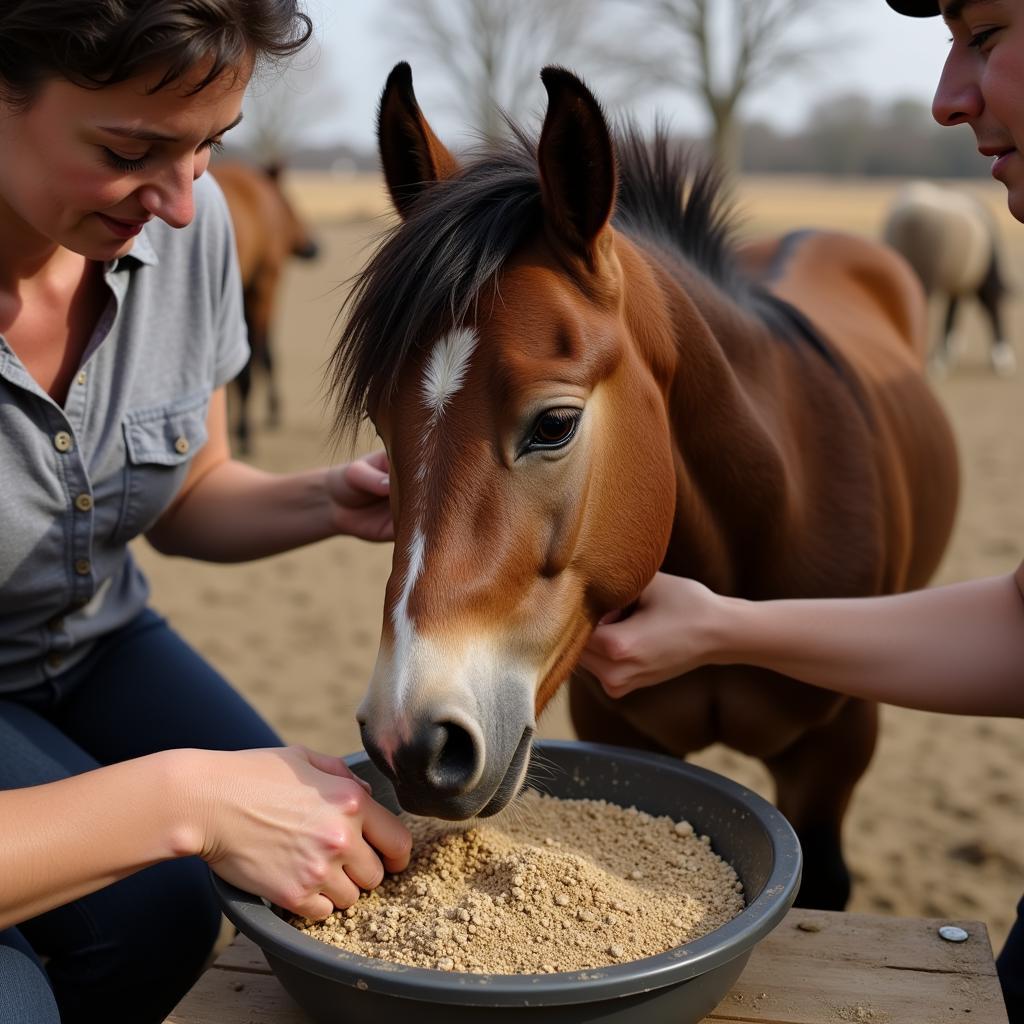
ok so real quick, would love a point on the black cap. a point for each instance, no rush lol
(915, 8)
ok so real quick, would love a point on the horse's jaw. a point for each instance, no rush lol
(453, 736)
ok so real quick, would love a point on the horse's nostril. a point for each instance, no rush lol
(451, 764)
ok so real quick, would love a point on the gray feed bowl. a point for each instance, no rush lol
(679, 986)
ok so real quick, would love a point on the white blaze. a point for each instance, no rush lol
(445, 373)
(446, 369)
(405, 632)
(470, 680)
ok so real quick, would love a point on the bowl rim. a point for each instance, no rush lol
(256, 919)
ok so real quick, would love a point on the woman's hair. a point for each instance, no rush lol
(100, 42)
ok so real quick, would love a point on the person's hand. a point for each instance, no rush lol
(358, 492)
(664, 637)
(294, 826)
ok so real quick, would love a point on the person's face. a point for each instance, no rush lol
(982, 85)
(86, 168)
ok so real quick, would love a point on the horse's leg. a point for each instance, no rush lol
(814, 779)
(950, 347)
(261, 315)
(990, 295)
(273, 397)
(243, 384)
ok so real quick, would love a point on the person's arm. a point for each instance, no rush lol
(286, 823)
(228, 511)
(956, 649)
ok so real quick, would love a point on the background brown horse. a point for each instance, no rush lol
(572, 400)
(950, 240)
(267, 231)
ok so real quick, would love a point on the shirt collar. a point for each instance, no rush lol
(142, 251)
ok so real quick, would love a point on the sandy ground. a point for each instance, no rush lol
(935, 827)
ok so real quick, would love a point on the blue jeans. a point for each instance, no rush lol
(129, 952)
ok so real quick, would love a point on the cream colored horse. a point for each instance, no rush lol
(949, 238)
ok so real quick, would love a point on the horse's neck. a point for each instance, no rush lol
(714, 362)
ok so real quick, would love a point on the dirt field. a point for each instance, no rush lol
(936, 824)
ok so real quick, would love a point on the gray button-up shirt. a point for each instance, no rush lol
(78, 483)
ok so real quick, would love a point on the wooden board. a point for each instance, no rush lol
(815, 968)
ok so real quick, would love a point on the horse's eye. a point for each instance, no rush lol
(555, 428)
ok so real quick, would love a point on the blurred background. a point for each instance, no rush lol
(821, 110)
(838, 87)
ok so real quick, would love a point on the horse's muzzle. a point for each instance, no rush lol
(440, 773)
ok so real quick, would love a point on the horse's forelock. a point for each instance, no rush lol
(429, 270)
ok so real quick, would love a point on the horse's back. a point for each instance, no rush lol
(248, 187)
(866, 294)
(255, 213)
(945, 235)
(869, 307)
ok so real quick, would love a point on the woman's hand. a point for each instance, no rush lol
(667, 635)
(358, 492)
(294, 826)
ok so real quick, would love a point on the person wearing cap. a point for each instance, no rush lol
(982, 82)
(957, 649)
(915, 8)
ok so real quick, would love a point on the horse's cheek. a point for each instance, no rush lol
(631, 510)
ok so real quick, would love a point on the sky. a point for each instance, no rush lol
(866, 48)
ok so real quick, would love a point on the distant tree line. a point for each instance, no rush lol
(847, 136)
(485, 56)
(850, 136)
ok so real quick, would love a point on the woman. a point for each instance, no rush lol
(957, 649)
(125, 760)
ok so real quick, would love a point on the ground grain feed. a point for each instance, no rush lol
(551, 885)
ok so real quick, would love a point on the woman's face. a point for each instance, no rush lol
(86, 168)
(982, 85)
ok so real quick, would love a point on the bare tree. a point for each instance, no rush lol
(720, 51)
(491, 51)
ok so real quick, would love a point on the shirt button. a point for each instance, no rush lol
(62, 441)
(81, 377)
(83, 502)
(54, 660)
(181, 446)
(83, 566)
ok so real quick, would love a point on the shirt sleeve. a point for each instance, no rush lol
(1019, 577)
(232, 335)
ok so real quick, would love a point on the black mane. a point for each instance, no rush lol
(429, 271)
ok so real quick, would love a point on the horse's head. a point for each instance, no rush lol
(495, 348)
(301, 242)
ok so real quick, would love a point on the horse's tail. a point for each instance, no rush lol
(994, 283)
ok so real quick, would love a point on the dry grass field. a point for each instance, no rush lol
(935, 826)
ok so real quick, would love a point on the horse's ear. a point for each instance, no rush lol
(577, 163)
(412, 155)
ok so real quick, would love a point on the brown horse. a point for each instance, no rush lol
(267, 231)
(578, 384)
